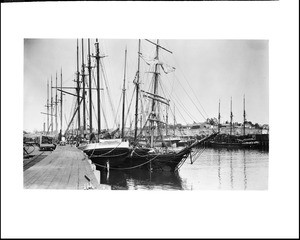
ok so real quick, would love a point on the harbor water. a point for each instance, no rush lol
(209, 169)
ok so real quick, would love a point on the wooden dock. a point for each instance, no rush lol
(65, 168)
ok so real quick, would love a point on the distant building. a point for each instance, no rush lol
(265, 126)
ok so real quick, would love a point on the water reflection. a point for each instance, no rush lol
(222, 155)
(227, 169)
(221, 169)
(231, 171)
(141, 179)
(245, 171)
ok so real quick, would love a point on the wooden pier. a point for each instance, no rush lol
(65, 168)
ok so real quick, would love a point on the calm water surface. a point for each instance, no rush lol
(209, 169)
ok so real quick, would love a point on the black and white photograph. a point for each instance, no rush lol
(167, 119)
(133, 114)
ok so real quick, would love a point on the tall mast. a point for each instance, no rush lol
(137, 84)
(78, 87)
(141, 123)
(219, 118)
(98, 86)
(61, 102)
(244, 117)
(174, 121)
(51, 105)
(231, 116)
(83, 87)
(90, 87)
(56, 104)
(167, 108)
(47, 105)
(153, 110)
(124, 90)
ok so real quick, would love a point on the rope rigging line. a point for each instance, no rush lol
(171, 94)
(145, 112)
(188, 83)
(93, 77)
(140, 133)
(107, 88)
(129, 167)
(181, 163)
(196, 155)
(95, 112)
(73, 107)
(66, 121)
(190, 98)
(104, 153)
(129, 107)
(104, 75)
(195, 94)
(178, 103)
(103, 110)
(118, 108)
(129, 131)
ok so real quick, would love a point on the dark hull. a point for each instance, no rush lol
(113, 157)
(140, 177)
(170, 161)
(156, 161)
(232, 145)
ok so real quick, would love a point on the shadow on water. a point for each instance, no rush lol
(219, 169)
(141, 179)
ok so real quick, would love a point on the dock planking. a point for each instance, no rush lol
(64, 168)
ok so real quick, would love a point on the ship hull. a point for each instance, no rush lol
(233, 145)
(169, 162)
(107, 153)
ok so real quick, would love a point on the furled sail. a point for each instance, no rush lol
(167, 68)
(151, 62)
(156, 97)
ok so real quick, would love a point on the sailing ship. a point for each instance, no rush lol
(108, 153)
(151, 156)
(104, 151)
(233, 141)
(121, 153)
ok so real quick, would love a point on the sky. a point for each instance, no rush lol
(206, 71)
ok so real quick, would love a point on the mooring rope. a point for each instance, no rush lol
(118, 155)
(139, 165)
(104, 153)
